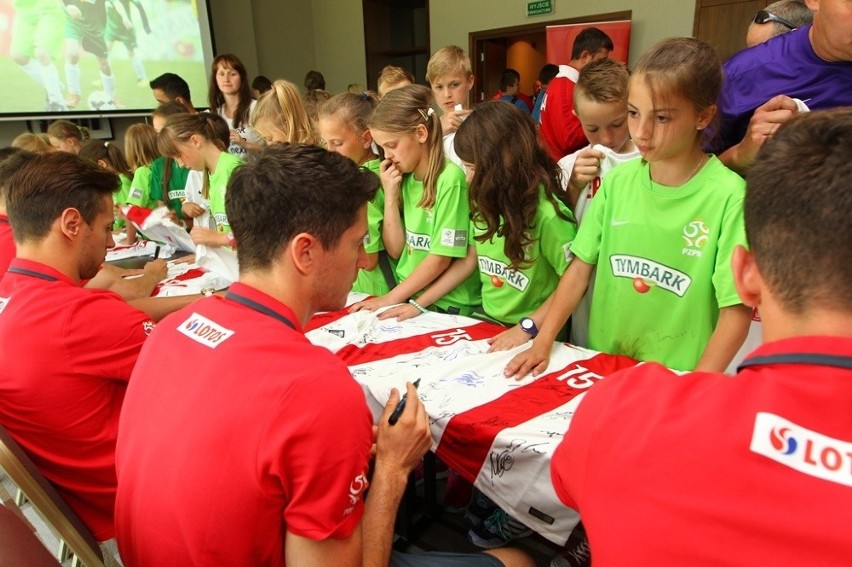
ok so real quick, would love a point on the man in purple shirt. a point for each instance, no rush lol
(812, 64)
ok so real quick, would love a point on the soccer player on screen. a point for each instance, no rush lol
(36, 44)
(116, 30)
(85, 23)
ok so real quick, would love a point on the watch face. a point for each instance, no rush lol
(527, 324)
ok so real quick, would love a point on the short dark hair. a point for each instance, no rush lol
(314, 81)
(547, 73)
(50, 183)
(509, 78)
(289, 189)
(591, 40)
(173, 85)
(11, 159)
(261, 84)
(797, 210)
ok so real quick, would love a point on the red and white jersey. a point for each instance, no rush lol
(498, 433)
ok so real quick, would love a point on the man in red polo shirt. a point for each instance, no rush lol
(560, 127)
(259, 455)
(65, 352)
(754, 469)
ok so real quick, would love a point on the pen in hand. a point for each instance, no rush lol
(156, 252)
(400, 407)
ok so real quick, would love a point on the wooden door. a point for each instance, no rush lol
(490, 64)
(723, 23)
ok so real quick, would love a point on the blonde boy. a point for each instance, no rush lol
(393, 77)
(600, 104)
(451, 77)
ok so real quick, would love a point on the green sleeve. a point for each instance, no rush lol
(731, 235)
(450, 215)
(375, 216)
(557, 234)
(140, 188)
(587, 243)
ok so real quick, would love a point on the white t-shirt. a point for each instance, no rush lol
(450, 150)
(611, 159)
(245, 131)
(194, 184)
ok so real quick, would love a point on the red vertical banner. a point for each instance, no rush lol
(560, 40)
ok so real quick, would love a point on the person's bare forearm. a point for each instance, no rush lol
(727, 338)
(381, 506)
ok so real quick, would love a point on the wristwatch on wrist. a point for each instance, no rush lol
(528, 326)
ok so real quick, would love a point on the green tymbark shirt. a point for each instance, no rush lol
(441, 230)
(218, 186)
(373, 281)
(663, 258)
(509, 295)
(176, 191)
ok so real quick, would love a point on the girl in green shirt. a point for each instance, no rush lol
(342, 125)
(140, 146)
(195, 141)
(426, 210)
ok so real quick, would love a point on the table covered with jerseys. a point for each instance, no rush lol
(497, 433)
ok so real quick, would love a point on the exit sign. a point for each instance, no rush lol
(540, 7)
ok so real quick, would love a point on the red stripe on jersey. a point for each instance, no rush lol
(186, 276)
(468, 437)
(370, 352)
(138, 214)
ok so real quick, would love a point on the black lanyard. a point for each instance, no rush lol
(32, 274)
(838, 361)
(260, 308)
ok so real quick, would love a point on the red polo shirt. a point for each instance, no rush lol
(65, 357)
(7, 244)
(261, 433)
(709, 469)
(560, 128)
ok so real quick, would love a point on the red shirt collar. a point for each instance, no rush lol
(42, 269)
(267, 301)
(813, 344)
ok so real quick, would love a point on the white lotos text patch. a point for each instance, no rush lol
(806, 451)
(203, 330)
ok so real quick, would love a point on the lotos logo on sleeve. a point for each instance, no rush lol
(4, 301)
(203, 330)
(806, 451)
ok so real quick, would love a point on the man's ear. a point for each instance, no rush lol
(747, 277)
(70, 222)
(303, 249)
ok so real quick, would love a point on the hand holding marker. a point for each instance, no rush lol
(400, 407)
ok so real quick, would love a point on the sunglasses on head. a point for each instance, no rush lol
(763, 17)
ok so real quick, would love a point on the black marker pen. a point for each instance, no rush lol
(400, 407)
